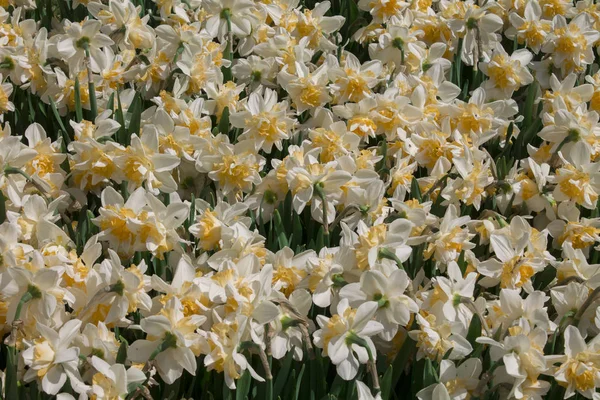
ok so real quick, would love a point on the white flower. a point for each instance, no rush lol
(112, 382)
(52, 360)
(456, 383)
(579, 370)
(80, 38)
(265, 121)
(394, 308)
(239, 13)
(345, 337)
(171, 342)
(364, 393)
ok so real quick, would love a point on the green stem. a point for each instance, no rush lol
(27, 296)
(12, 170)
(353, 338)
(169, 341)
(2, 207)
(226, 13)
(91, 87)
(588, 302)
(390, 255)
(471, 304)
(321, 195)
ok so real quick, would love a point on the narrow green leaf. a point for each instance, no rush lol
(280, 230)
(458, 64)
(136, 115)
(282, 375)
(132, 387)
(399, 364)
(122, 136)
(529, 109)
(297, 231)
(110, 105)
(429, 374)
(82, 230)
(92, 91)
(474, 330)
(299, 381)
(415, 190)
(462, 263)
(57, 115)
(2, 207)
(243, 386)
(320, 243)
(78, 108)
(122, 353)
(337, 386)
(11, 382)
(386, 383)
(224, 122)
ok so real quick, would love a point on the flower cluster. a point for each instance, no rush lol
(199, 196)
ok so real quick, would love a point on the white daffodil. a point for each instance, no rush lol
(118, 292)
(81, 40)
(364, 393)
(52, 359)
(579, 370)
(114, 381)
(142, 163)
(453, 295)
(455, 382)
(436, 337)
(515, 265)
(306, 89)
(394, 307)
(171, 343)
(523, 357)
(288, 335)
(265, 121)
(346, 337)
(446, 244)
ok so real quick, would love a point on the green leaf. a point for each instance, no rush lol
(399, 364)
(110, 105)
(122, 353)
(282, 375)
(2, 207)
(528, 110)
(320, 243)
(92, 92)
(417, 372)
(458, 64)
(82, 230)
(318, 384)
(386, 383)
(297, 232)
(243, 386)
(133, 386)
(337, 386)
(415, 190)
(462, 263)
(78, 108)
(316, 56)
(57, 115)
(429, 374)
(474, 330)
(280, 230)
(122, 136)
(136, 115)
(11, 382)
(224, 122)
(543, 278)
(299, 382)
